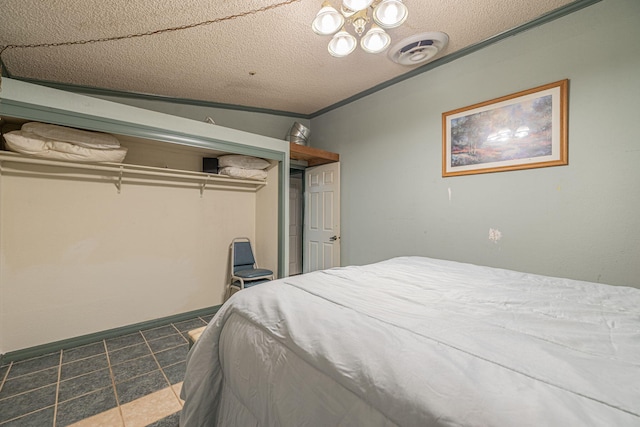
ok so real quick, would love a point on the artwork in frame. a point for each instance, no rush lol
(523, 130)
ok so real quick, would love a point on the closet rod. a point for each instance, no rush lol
(134, 180)
(117, 168)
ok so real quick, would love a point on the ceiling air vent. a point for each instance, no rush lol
(418, 48)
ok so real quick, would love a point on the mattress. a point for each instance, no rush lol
(416, 341)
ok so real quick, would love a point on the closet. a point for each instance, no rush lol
(86, 248)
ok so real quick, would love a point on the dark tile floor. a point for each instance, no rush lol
(68, 386)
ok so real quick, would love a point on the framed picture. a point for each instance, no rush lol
(523, 130)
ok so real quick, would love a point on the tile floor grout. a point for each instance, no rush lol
(55, 404)
(113, 383)
(135, 375)
(158, 363)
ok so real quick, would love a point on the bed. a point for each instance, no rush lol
(415, 341)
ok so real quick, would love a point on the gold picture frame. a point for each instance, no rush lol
(524, 130)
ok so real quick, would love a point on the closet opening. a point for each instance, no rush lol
(314, 209)
(296, 219)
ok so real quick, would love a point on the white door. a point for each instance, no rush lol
(295, 224)
(322, 218)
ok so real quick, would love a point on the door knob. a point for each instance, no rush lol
(333, 238)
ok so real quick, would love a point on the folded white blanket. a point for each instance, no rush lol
(34, 145)
(257, 174)
(76, 136)
(242, 162)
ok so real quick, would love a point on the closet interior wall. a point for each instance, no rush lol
(82, 252)
(79, 256)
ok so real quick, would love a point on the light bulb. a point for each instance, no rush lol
(342, 44)
(327, 21)
(390, 13)
(357, 5)
(376, 40)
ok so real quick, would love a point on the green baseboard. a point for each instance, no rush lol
(39, 350)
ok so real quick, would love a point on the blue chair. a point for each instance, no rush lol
(244, 268)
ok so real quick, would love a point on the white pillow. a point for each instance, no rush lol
(257, 174)
(28, 143)
(80, 137)
(242, 162)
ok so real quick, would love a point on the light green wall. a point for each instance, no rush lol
(272, 125)
(579, 221)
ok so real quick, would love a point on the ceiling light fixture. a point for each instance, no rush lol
(385, 14)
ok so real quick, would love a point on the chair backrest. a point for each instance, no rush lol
(242, 255)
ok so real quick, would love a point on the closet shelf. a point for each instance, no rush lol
(137, 173)
(313, 156)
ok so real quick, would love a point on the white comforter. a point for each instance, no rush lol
(419, 342)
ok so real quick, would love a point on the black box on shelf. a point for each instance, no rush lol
(210, 165)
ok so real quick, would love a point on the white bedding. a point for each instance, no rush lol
(242, 162)
(83, 138)
(257, 174)
(419, 342)
(29, 143)
(244, 167)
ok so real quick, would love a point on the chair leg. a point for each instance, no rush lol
(233, 287)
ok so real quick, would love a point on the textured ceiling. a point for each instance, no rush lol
(266, 60)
